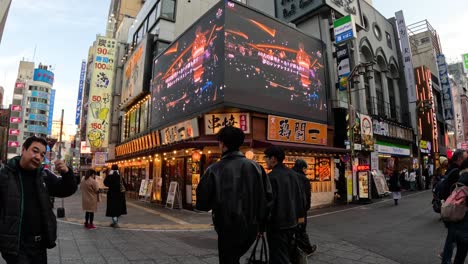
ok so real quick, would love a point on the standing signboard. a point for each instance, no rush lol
(364, 185)
(173, 196)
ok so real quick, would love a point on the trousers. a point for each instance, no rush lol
(281, 244)
(232, 244)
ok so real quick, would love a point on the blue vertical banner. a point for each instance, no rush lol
(51, 112)
(80, 93)
(445, 87)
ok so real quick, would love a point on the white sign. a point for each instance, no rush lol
(344, 29)
(172, 195)
(84, 149)
(393, 150)
(182, 131)
(407, 56)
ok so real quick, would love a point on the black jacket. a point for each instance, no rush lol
(289, 202)
(116, 202)
(11, 204)
(395, 184)
(306, 187)
(237, 190)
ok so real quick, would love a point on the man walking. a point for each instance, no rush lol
(289, 204)
(29, 225)
(238, 192)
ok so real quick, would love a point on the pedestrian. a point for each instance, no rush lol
(440, 171)
(89, 197)
(116, 203)
(395, 185)
(289, 205)
(460, 229)
(29, 226)
(412, 180)
(238, 192)
(300, 167)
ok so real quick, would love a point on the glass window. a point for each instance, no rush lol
(160, 47)
(152, 18)
(144, 116)
(377, 32)
(168, 9)
(389, 39)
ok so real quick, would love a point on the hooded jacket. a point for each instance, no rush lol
(11, 203)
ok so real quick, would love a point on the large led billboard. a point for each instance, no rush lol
(188, 76)
(236, 57)
(271, 67)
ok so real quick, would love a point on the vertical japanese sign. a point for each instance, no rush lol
(344, 68)
(407, 56)
(296, 131)
(214, 122)
(447, 102)
(80, 93)
(100, 94)
(50, 118)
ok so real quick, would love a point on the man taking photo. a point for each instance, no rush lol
(27, 222)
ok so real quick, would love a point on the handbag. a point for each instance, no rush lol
(263, 258)
(122, 185)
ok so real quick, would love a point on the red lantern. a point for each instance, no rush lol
(196, 156)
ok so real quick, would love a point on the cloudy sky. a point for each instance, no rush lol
(61, 31)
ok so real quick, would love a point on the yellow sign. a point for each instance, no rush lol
(100, 94)
(296, 131)
(214, 122)
(423, 144)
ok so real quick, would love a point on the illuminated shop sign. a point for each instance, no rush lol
(41, 75)
(296, 131)
(214, 122)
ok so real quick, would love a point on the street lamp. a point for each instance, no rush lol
(364, 68)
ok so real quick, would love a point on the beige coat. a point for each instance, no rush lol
(89, 194)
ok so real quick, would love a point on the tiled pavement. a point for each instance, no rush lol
(160, 235)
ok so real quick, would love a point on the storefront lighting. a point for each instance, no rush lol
(186, 151)
(249, 154)
(164, 153)
(165, 158)
(209, 151)
(157, 155)
(175, 151)
(201, 152)
(173, 158)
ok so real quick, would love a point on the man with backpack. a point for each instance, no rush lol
(443, 190)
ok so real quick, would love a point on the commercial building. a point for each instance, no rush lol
(4, 9)
(31, 105)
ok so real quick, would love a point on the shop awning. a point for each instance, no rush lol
(298, 147)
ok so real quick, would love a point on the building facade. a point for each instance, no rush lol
(4, 9)
(30, 109)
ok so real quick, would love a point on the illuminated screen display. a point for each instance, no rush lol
(236, 57)
(272, 67)
(188, 76)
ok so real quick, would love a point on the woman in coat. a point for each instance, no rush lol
(116, 204)
(89, 197)
(395, 187)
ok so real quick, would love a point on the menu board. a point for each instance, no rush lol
(363, 177)
(380, 182)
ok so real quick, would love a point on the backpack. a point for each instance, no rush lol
(455, 208)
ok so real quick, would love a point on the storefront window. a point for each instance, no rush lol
(144, 116)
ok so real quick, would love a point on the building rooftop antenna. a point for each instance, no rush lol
(34, 54)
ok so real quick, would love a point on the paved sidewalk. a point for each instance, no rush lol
(163, 235)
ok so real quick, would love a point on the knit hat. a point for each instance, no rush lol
(442, 159)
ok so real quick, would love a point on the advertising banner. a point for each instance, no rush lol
(13, 132)
(447, 102)
(13, 144)
(15, 120)
(79, 100)
(100, 94)
(407, 56)
(16, 108)
(51, 112)
(271, 66)
(296, 131)
(20, 85)
(344, 66)
(100, 158)
(237, 57)
(136, 71)
(364, 183)
(84, 149)
(41, 75)
(367, 135)
(181, 131)
(465, 62)
(214, 122)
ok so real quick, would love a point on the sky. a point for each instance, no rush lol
(447, 17)
(61, 31)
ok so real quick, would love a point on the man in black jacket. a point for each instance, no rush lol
(289, 204)
(238, 192)
(27, 222)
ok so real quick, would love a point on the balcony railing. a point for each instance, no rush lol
(379, 107)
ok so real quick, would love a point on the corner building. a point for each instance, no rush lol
(233, 66)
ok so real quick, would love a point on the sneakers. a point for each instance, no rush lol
(311, 250)
(86, 225)
(114, 225)
(91, 226)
